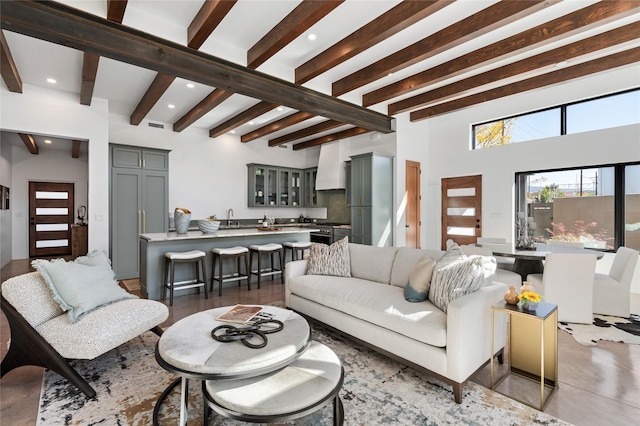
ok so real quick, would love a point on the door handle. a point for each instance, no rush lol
(407, 226)
(139, 222)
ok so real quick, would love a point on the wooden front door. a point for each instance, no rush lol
(412, 187)
(461, 209)
(51, 216)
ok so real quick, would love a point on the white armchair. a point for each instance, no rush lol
(567, 281)
(611, 293)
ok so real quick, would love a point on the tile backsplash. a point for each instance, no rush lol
(335, 200)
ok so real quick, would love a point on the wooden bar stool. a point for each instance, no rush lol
(270, 248)
(295, 247)
(220, 254)
(196, 257)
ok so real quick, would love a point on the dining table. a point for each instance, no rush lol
(531, 261)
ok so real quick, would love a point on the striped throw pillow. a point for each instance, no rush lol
(330, 260)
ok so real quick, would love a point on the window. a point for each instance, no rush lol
(596, 206)
(615, 110)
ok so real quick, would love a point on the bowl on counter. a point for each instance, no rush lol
(208, 226)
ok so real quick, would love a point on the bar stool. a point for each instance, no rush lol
(220, 254)
(196, 257)
(295, 246)
(270, 248)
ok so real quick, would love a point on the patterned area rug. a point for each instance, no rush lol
(604, 327)
(376, 391)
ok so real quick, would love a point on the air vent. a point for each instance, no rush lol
(282, 146)
(156, 125)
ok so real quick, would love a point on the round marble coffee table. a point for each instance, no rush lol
(187, 349)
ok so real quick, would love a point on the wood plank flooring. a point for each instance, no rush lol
(598, 385)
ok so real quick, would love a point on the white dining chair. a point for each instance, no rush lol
(502, 275)
(611, 293)
(498, 244)
(567, 281)
(572, 244)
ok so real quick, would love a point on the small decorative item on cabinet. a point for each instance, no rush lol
(182, 219)
(529, 300)
(511, 296)
(526, 286)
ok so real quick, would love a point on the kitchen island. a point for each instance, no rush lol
(154, 246)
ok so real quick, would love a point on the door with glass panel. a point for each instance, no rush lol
(51, 215)
(461, 209)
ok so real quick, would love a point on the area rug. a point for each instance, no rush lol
(604, 327)
(376, 391)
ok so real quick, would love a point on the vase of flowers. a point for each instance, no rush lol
(529, 300)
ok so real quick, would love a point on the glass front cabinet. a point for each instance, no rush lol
(272, 186)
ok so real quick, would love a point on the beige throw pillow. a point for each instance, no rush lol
(417, 289)
(330, 260)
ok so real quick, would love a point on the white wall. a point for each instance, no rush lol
(442, 145)
(54, 113)
(51, 166)
(209, 176)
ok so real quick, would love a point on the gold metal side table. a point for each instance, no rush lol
(532, 348)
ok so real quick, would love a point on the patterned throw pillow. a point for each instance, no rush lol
(417, 289)
(330, 260)
(456, 275)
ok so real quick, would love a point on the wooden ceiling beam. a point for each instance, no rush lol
(580, 70)
(75, 149)
(303, 17)
(89, 73)
(29, 142)
(206, 20)
(211, 101)
(159, 85)
(476, 25)
(278, 125)
(8, 68)
(573, 23)
(398, 18)
(308, 131)
(241, 118)
(61, 24)
(115, 10)
(354, 131)
(565, 53)
(115, 13)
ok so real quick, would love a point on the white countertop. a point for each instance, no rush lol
(222, 233)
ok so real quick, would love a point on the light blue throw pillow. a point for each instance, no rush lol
(83, 285)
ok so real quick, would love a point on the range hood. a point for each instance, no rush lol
(331, 171)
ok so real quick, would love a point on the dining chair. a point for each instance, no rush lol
(572, 244)
(611, 292)
(502, 275)
(567, 281)
(497, 244)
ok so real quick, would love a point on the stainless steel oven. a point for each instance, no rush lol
(323, 235)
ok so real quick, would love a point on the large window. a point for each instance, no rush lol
(596, 206)
(615, 110)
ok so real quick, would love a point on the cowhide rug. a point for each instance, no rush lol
(604, 327)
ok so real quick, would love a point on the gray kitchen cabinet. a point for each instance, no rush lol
(139, 203)
(263, 185)
(347, 169)
(340, 233)
(310, 193)
(372, 199)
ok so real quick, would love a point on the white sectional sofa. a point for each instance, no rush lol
(370, 306)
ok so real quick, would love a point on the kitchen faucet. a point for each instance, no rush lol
(229, 216)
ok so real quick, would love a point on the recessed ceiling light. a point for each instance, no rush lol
(280, 109)
(390, 74)
(251, 123)
(233, 131)
(191, 85)
(51, 80)
(561, 64)
(171, 106)
(47, 141)
(311, 37)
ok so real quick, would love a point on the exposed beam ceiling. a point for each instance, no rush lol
(212, 100)
(75, 149)
(581, 20)
(115, 10)
(597, 65)
(206, 20)
(287, 121)
(308, 131)
(9, 71)
(476, 25)
(556, 56)
(349, 133)
(29, 142)
(395, 20)
(246, 115)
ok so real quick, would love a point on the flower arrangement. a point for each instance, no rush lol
(529, 300)
(530, 297)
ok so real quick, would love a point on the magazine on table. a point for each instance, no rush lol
(248, 314)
